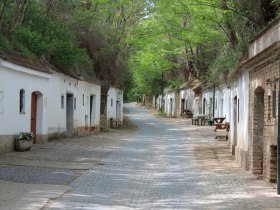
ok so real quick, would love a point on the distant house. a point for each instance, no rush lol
(187, 101)
(172, 103)
(223, 102)
(197, 89)
(207, 100)
(115, 106)
(39, 98)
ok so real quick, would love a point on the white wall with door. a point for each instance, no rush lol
(187, 101)
(17, 83)
(207, 102)
(88, 104)
(239, 122)
(115, 104)
(170, 103)
(63, 104)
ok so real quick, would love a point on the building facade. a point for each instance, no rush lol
(36, 98)
(115, 105)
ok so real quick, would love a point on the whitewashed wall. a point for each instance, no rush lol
(198, 106)
(88, 89)
(170, 104)
(207, 95)
(160, 102)
(115, 95)
(188, 95)
(223, 102)
(13, 78)
(60, 86)
(240, 90)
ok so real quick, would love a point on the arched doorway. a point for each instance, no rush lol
(258, 128)
(36, 118)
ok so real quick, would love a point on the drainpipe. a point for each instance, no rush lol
(278, 135)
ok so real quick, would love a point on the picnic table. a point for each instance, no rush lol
(222, 130)
(218, 119)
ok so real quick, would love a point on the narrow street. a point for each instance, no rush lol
(158, 169)
(164, 164)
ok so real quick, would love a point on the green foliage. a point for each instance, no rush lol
(38, 34)
(32, 40)
(5, 43)
(224, 63)
(142, 45)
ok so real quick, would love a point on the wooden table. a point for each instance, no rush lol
(219, 119)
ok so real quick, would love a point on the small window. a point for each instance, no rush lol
(75, 103)
(111, 102)
(1, 101)
(274, 104)
(87, 101)
(83, 99)
(62, 101)
(22, 101)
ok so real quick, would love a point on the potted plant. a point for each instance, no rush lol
(24, 141)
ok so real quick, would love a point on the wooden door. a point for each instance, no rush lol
(33, 115)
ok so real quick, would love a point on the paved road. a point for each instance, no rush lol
(158, 168)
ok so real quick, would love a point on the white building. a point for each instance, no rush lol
(23, 99)
(223, 102)
(187, 101)
(35, 98)
(239, 122)
(169, 105)
(77, 105)
(207, 101)
(115, 105)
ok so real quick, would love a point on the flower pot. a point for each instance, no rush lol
(23, 145)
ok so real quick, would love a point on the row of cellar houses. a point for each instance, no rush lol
(248, 100)
(48, 102)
